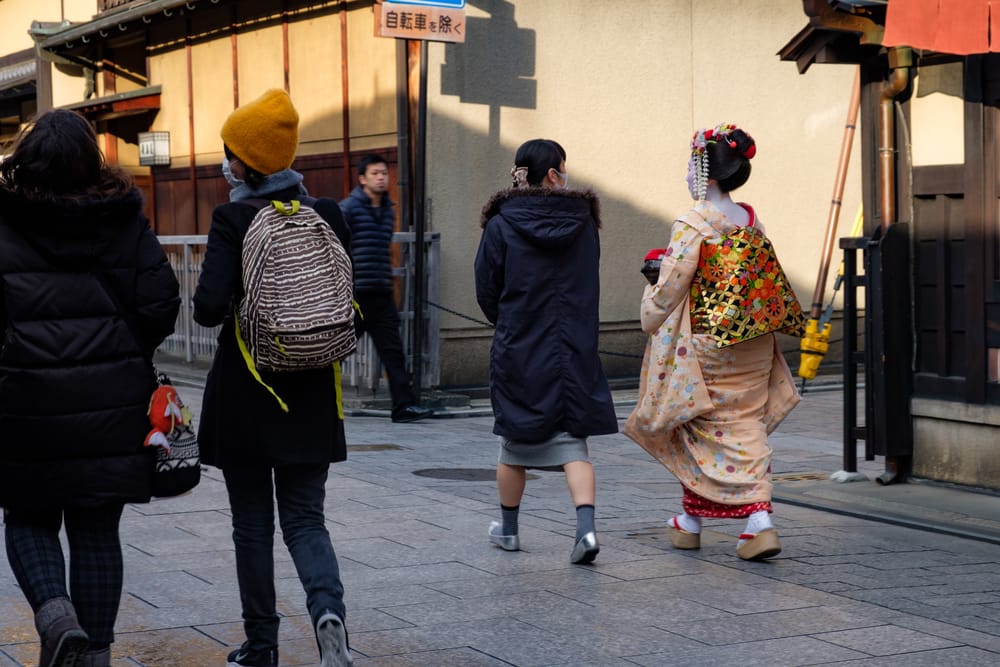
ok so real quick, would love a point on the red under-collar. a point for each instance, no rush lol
(749, 209)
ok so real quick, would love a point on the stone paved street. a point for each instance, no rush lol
(408, 513)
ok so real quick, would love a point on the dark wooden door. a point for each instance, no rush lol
(956, 259)
(991, 248)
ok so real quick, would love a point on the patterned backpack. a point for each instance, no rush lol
(297, 311)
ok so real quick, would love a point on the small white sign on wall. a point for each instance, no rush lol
(154, 149)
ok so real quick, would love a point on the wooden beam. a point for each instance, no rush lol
(822, 15)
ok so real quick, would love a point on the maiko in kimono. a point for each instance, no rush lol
(714, 383)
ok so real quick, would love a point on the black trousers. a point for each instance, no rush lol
(300, 491)
(380, 320)
(95, 558)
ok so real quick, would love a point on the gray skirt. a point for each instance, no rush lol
(558, 450)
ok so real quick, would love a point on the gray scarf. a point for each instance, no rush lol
(279, 180)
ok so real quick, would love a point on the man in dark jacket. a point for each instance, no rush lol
(369, 214)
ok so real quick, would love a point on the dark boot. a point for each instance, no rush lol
(100, 658)
(63, 640)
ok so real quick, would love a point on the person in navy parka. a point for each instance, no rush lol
(537, 280)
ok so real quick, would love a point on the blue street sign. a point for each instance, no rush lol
(449, 4)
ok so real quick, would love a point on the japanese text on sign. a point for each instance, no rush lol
(419, 22)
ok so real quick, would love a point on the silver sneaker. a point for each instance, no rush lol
(505, 542)
(586, 549)
(332, 638)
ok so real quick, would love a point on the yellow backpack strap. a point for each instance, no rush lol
(245, 351)
(284, 210)
(337, 375)
(253, 369)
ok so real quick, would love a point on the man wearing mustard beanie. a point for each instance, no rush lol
(263, 451)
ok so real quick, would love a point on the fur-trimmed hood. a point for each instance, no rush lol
(546, 217)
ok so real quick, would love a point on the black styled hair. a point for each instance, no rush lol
(57, 157)
(252, 177)
(538, 156)
(368, 161)
(727, 165)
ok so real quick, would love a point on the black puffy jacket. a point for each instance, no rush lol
(371, 233)
(87, 296)
(537, 280)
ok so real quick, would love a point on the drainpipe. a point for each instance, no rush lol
(900, 65)
(900, 62)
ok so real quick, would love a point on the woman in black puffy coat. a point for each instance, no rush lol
(87, 295)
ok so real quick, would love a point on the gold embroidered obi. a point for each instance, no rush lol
(739, 291)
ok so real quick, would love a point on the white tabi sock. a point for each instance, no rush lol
(757, 522)
(691, 524)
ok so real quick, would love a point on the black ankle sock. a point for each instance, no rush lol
(584, 520)
(509, 517)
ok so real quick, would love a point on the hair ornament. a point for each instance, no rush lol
(519, 176)
(699, 150)
(699, 142)
(723, 132)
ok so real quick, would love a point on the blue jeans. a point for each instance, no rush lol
(300, 491)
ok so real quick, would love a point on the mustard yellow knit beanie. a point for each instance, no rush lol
(264, 134)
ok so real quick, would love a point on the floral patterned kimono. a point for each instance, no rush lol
(704, 411)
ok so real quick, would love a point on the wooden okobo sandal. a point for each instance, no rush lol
(763, 545)
(680, 538)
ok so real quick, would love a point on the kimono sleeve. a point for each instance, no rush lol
(677, 269)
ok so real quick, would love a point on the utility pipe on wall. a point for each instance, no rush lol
(888, 369)
(900, 62)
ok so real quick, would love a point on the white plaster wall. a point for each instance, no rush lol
(623, 90)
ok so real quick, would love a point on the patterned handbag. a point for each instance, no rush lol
(740, 291)
(177, 468)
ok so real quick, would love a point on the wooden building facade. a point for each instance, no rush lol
(930, 164)
(181, 67)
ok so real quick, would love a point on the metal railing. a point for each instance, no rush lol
(190, 339)
(362, 369)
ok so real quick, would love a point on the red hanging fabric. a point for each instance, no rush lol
(961, 27)
(964, 27)
(911, 23)
(994, 25)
